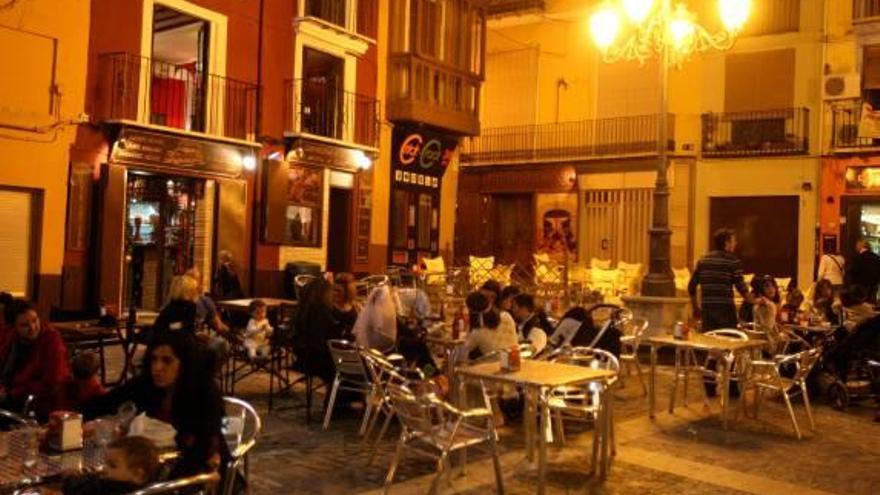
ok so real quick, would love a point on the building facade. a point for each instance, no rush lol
(41, 100)
(579, 149)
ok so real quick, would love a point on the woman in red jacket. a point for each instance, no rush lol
(33, 360)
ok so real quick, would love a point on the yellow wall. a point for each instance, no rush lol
(33, 159)
(382, 166)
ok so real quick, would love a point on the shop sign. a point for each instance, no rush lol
(323, 154)
(420, 157)
(859, 178)
(145, 148)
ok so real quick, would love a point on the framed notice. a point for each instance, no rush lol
(303, 212)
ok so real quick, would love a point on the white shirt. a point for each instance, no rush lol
(257, 332)
(831, 268)
(489, 340)
(536, 336)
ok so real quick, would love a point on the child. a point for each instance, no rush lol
(84, 385)
(132, 463)
(258, 332)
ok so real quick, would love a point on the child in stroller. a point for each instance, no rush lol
(850, 368)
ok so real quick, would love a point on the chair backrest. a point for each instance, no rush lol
(804, 362)
(366, 285)
(417, 414)
(589, 357)
(241, 426)
(205, 484)
(347, 358)
(728, 333)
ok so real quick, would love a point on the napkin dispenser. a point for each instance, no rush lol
(65, 431)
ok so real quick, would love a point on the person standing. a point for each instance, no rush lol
(717, 273)
(831, 268)
(865, 270)
(226, 282)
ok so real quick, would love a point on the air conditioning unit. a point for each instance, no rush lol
(841, 86)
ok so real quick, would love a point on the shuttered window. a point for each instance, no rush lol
(16, 234)
(759, 81)
(871, 67)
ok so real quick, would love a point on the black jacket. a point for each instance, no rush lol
(316, 325)
(865, 272)
(197, 416)
(93, 484)
(538, 320)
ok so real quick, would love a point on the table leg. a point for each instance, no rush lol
(606, 433)
(651, 378)
(725, 388)
(529, 426)
(542, 440)
(103, 358)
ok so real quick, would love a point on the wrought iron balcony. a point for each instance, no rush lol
(566, 140)
(142, 90)
(316, 107)
(853, 128)
(865, 10)
(765, 132)
(497, 8)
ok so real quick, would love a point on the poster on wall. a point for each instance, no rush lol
(305, 193)
(556, 225)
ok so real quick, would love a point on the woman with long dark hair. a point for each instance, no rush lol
(315, 325)
(176, 387)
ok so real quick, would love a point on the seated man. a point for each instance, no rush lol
(532, 325)
(33, 360)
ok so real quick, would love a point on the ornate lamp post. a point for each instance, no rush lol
(639, 30)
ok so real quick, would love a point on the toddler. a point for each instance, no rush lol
(131, 464)
(258, 332)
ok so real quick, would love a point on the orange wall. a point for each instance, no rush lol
(833, 187)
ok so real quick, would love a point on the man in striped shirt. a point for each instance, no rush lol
(717, 273)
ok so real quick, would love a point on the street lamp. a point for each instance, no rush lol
(638, 30)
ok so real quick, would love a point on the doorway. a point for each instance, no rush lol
(862, 222)
(339, 231)
(615, 225)
(766, 243)
(169, 230)
(513, 229)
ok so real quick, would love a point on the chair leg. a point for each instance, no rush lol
(368, 413)
(496, 460)
(641, 377)
(382, 432)
(561, 427)
(247, 474)
(794, 423)
(309, 398)
(807, 406)
(331, 402)
(441, 469)
(675, 375)
(389, 478)
(610, 412)
(371, 425)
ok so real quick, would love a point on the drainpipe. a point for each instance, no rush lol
(258, 128)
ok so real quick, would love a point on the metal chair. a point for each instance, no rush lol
(764, 375)
(370, 282)
(630, 343)
(200, 484)
(241, 428)
(583, 401)
(436, 429)
(300, 282)
(686, 365)
(351, 375)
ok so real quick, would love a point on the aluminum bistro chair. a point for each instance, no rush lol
(584, 401)
(436, 429)
(351, 375)
(630, 343)
(765, 375)
(686, 365)
(202, 484)
(241, 428)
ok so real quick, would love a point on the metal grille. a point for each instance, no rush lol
(616, 224)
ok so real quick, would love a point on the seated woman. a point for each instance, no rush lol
(315, 325)
(491, 330)
(175, 387)
(507, 296)
(766, 309)
(825, 302)
(345, 307)
(33, 360)
(491, 289)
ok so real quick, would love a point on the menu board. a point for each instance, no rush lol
(364, 215)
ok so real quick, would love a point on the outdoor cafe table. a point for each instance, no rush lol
(727, 349)
(243, 304)
(538, 378)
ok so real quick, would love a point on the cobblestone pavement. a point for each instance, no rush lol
(686, 451)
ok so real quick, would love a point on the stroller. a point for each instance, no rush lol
(599, 326)
(849, 370)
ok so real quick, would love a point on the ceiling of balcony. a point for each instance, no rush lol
(498, 8)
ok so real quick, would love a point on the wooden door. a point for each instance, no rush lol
(513, 228)
(766, 231)
(615, 225)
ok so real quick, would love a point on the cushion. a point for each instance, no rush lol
(479, 268)
(630, 275)
(435, 270)
(604, 281)
(501, 274)
(578, 272)
(783, 283)
(682, 278)
(597, 263)
(547, 271)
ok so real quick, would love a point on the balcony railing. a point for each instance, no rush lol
(866, 10)
(497, 8)
(422, 90)
(766, 132)
(138, 89)
(566, 140)
(316, 107)
(850, 130)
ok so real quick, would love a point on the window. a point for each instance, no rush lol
(17, 241)
(332, 11)
(771, 88)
